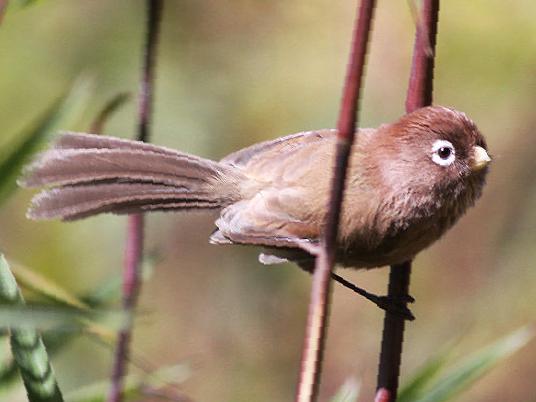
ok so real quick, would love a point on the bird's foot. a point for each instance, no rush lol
(310, 247)
(394, 305)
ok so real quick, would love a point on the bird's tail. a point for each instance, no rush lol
(91, 174)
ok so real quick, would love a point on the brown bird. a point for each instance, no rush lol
(408, 182)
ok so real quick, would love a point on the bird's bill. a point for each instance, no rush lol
(480, 158)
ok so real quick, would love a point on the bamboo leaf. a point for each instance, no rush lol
(414, 388)
(475, 366)
(63, 325)
(348, 392)
(90, 303)
(110, 289)
(23, 3)
(134, 384)
(45, 318)
(59, 115)
(34, 281)
(59, 336)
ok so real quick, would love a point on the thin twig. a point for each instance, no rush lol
(134, 241)
(109, 108)
(317, 318)
(419, 94)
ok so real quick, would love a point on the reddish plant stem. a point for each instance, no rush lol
(3, 7)
(393, 334)
(421, 80)
(134, 240)
(317, 318)
(382, 395)
(419, 94)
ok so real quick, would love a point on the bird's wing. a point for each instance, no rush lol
(286, 204)
(279, 211)
(264, 220)
(280, 145)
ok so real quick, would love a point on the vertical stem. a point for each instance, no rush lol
(421, 80)
(134, 240)
(3, 7)
(419, 94)
(317, 318)
(393, 333)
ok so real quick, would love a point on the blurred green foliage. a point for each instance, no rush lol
(62, 113)
(424, 387)
(137, 388)
(349, 392)
(229, 75)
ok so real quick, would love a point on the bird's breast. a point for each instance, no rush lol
(395, 227)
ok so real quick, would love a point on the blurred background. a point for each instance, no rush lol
(230, 74)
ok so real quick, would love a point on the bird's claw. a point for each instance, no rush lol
(407, 298)
(310, 247)
(396, 306)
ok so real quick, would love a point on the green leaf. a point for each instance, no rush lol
(59, 115)
(28, 349)
(22, 3)
(424, 376)
(36, 282)
(59, 318)
(348, 392)
(134, 384)
(475, 366)
(59, 336)
(65, 323)
(90, 304)
(110, 289)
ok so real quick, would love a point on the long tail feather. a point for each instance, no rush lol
(75, 202)
(92, 174)
(75, 166)
(74, 140)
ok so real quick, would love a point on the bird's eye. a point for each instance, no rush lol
(443, 153)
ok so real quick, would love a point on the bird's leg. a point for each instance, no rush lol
(395, 306)
(386, 303)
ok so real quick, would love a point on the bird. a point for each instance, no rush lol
(407, 183)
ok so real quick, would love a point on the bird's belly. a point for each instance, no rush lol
(392, 249)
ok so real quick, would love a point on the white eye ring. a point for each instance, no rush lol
(443, 153)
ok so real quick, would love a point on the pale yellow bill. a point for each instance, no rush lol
(480, 158)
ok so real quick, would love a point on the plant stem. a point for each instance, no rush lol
(108, 110)
(419, 94)
(317, 318)
(134, 241)
(3, 7)
(29, 352)
(393, 333)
